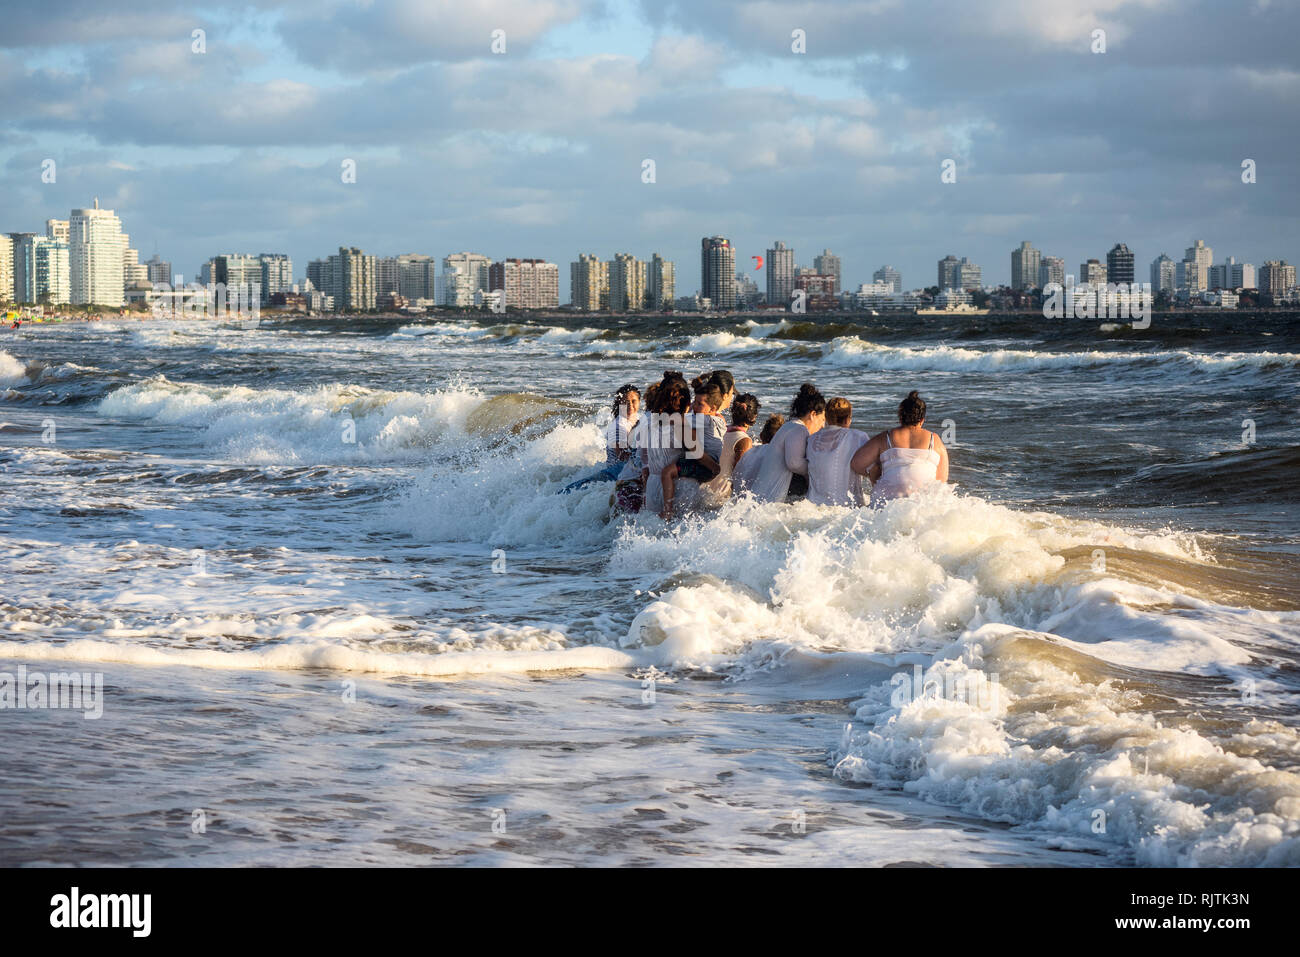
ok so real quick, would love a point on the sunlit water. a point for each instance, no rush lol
(343, 615)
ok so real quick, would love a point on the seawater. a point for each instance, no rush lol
(344, 616)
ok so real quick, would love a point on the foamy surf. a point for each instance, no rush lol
(331, 656)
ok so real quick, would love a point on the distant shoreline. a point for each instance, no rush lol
(618, 319)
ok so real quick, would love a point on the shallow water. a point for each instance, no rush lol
(339, 607)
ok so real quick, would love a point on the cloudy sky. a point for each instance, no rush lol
(538, 151)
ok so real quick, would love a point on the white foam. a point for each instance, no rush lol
(273, 426)
(325, 654)
(1056, 753)
(857, 353)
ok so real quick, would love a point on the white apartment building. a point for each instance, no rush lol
(6, 269)
(890, 275)
(475, 269)
(96, 254)
(1164, 275)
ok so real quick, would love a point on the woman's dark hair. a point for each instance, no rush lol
(771, 427)
(620, 397)
(671, 396)
(651, 396)
(707, 389)
(911, 411)
(744, 410)
(723, 379)
(808, 400)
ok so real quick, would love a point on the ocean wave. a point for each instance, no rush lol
(329, 423)
(1062, 745)
(15, 373)
(999, 598)
(857, 353)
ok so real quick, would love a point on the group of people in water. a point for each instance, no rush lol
(674, 451)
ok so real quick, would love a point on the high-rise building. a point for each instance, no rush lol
(1194, 270)
(387, 276)
(589, 283)
(237, 271)
(1092, 272)
(1164, 274)
(949, 272)
(626, 283)
(1276, 277)
(96, 252)
(276, 274)
(1119, 265)
(320, 276)
(1051, 270)
(159, 270)
(456, 287)
(6, 269)
(526, 283)
(463, 275)
(780, 274)
(890, 275)
(134, 272)
(53, 275)
(1201, 253)
(1242, 276)
(1025, 261)
(828, 264)
(417, 277)
(354, 278)
(748, 295)
(969, 275)
(1221, 274)
(718, 272)
(40, 269)
(57, 229)
(661, 283)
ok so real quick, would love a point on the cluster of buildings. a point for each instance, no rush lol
(82, 260)
(87, 259)
(1195, 279)
(723, 288)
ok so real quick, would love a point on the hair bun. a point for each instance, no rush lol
(914, 394)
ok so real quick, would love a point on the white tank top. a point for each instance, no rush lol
(904, 471)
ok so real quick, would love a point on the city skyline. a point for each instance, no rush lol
(361, 279)
(541, 150)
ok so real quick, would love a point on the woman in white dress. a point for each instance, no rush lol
(830, 479)
(904, 460)
(746, 470)
(787, 455)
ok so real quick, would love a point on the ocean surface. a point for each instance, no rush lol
(343, 616)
